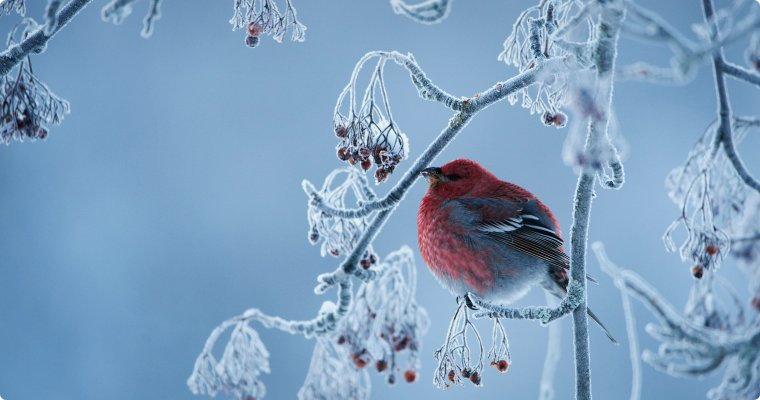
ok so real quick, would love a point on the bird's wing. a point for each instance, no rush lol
(518, 225)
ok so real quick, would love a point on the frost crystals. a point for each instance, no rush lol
(263, 17)
(27, 103)
(367, 132)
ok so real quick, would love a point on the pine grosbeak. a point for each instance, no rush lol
(493, 238)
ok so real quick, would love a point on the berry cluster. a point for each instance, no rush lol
(385, 322)
(26, 104)
(366, 142)
(365, 126)
(264, 17)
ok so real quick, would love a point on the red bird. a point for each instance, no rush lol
(493, 238)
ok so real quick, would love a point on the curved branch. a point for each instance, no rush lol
(574, 297)
(37, 40)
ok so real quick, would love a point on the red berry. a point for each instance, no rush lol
(711, 249)
(340, 131)
(381, 365)
(410, 376)
(359, 360)
(254, 28)
(475, 378)
(697, 271)
(366, 164)
(502, 365)
(452, 375)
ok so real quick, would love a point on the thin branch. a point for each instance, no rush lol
(38, 39)
(724, 107)
(611, 17)
(741, 73)
(553, 352)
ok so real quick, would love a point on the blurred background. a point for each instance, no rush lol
(170, 198)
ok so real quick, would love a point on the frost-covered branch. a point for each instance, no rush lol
(741, 73)
(426, 12)
(37, 40)
(544, 314)
(688, 349)
(647, 25)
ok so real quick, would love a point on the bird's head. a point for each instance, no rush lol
(454, 178)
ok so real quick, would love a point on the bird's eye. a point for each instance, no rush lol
(453, 177)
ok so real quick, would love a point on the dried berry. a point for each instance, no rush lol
(381, 174)
(381, 365)
(452, 375)
(475, 378)
(251, 41)
(501, 365)
(711, 249)
(335, 252)
(697, 271)
(340, 131)
(391, 379)
(341, 339)
(410, 376)
(366, 164)
(466, 373)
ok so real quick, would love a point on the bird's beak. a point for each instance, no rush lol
(433, 175)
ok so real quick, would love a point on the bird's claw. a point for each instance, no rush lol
(469, 302)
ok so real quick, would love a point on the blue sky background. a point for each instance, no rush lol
(170, 198)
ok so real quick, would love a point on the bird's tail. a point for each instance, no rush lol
(601, 325)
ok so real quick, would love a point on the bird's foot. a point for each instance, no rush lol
(469, 302)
